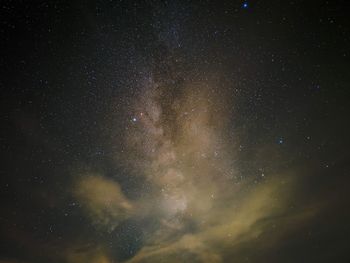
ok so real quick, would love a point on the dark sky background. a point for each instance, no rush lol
(82, 83)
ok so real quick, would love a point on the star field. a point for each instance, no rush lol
(174, 131)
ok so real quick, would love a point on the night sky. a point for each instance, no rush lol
(174, 131)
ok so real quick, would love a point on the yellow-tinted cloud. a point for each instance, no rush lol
(103, 200)
(225, 228)
(92, 255)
